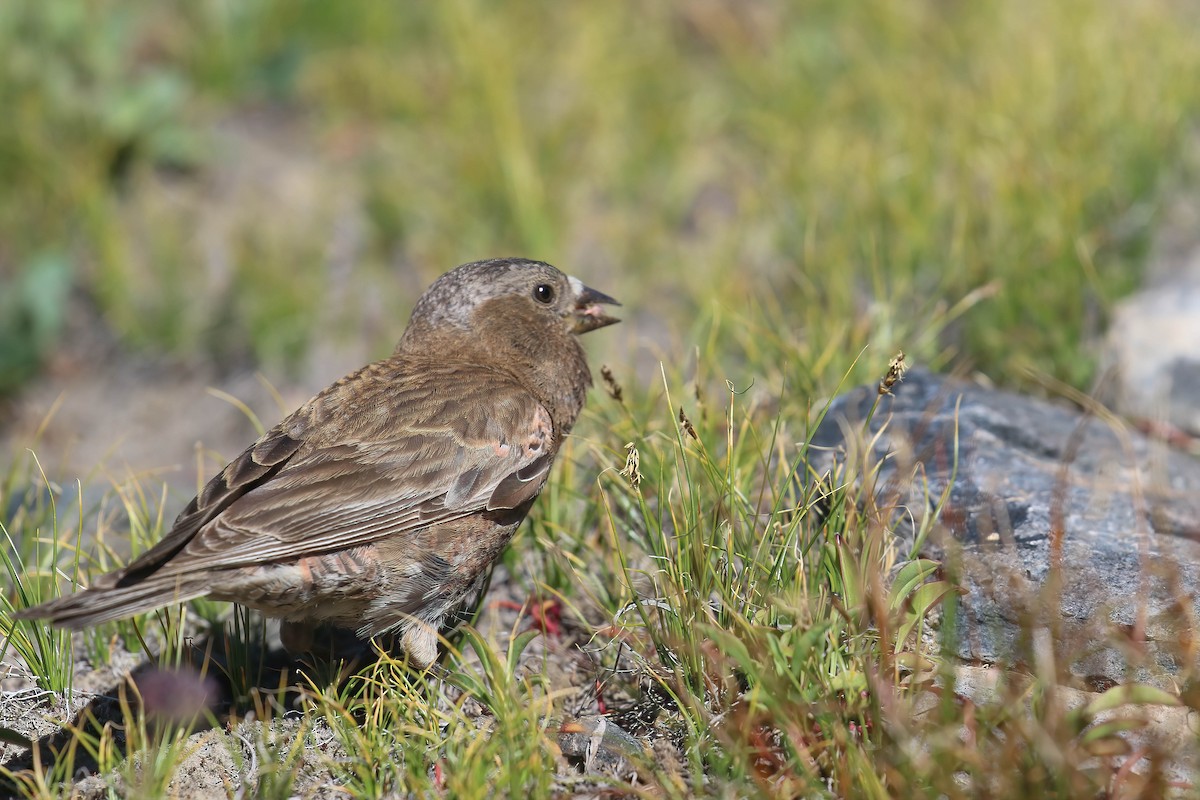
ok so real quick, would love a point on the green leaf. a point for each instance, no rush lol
(1136, 693)
(517, 646)
(804, 642)
(910, 576)
(732, 646)
(850, 681)
(1109, 728)
(1117, 696)
(924, 598)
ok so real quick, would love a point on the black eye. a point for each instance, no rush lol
(544, 293)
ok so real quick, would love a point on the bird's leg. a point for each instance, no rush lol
(296, 637)
(333, 653)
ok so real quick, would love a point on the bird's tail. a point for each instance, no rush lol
(105, 604)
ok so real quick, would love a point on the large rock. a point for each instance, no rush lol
(1031, 479)
(1152, 348)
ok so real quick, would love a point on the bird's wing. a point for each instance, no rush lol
(357, 465)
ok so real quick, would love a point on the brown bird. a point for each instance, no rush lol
(382, 504)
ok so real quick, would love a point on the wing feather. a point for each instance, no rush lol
(366, 472)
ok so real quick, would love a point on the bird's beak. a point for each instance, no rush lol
(588, 313)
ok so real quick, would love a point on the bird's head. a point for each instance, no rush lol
(507, 301)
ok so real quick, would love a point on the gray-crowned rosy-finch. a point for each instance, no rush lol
(382, 504)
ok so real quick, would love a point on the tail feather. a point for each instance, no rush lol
(94, 606)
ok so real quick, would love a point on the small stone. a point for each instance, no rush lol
(599, 745)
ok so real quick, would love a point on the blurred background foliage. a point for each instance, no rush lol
(782, 183)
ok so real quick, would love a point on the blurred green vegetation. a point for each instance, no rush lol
(791, 181)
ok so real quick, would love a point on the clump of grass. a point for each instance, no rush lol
(792, 649)
(404, 734)
(31, 553)
(763, 595)
(271, 758)
(155, 744)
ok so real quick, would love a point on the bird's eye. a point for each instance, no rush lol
(544, 293)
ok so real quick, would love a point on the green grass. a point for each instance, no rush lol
(28, 560)
(783, 195)
(790, 651)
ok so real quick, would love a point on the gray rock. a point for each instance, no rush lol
(1031, 479)
(1153, 343)
(600, 746)
(1153, 347)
